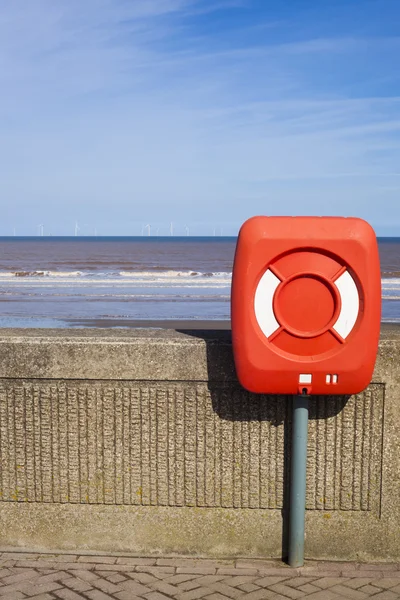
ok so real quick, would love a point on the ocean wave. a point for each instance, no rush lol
(390, 319)
(38, 273)
(149, 272)
(64, 273)
(145, 278)
(152, 275)
(25, 274)
(160, 274)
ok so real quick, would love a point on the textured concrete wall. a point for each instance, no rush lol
(143, 441)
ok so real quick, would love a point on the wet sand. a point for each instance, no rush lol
(153, 324)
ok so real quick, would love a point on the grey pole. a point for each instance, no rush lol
(298, 481)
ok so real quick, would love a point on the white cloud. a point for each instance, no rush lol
(125, 102)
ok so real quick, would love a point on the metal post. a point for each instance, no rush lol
(298, 481)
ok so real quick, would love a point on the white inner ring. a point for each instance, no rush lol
(350, 305)
(263, 299)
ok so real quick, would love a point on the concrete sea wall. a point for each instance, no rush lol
(143, 441)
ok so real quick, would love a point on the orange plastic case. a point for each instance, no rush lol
(306, 305)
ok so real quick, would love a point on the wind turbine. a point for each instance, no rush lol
(171, 229)
(148, 227)
(41, 230)
(77, 228)
(187, 230)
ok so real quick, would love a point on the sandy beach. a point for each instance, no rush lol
(152, 324)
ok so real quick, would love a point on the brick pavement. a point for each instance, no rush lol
(121, 577)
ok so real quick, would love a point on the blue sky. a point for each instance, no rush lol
(122, 113)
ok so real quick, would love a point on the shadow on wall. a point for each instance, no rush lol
(242, 406)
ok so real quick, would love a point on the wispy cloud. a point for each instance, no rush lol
(178, 107)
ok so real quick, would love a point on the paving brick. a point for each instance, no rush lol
(317, 573)
(258, 564)
(194, 562)
(45, 571)
(85, 575)
(144, 577)
(287, 591)
(108, 560)
(105, 574)
(269, 580)
(157, 571)
(105, 586)
(215, 596)
(74, 583)
(4, 572)
(42, 597)
(98, 595)
(207, 579)
(396, 589)
(68, 595)
(124, 595)
(197, 570)
(17, 555)
(65, 566)
(238, 580)
(369, 589)
(328, 582)
(52, 576)
(348, 592)
(263, 594)
(308, 588)
(156, 596)
(194, 594)
(19, 575)
(236, 572)
(226, 590)
(191, 584)
(126, 560)
(7, 563)
(12, 595)
(172, 562)
(181, 577)
(37, 564)
(116, 578)
(284, 572)
(386, 582)
(386, 595)
(357, 582)
(165, 588)
(248, 587)
(10, 589)
(115, 568)
(325, 595)
(31, 589)
(60, 557)
(298, 581)
(134, 587)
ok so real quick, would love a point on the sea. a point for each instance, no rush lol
(117, 281)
